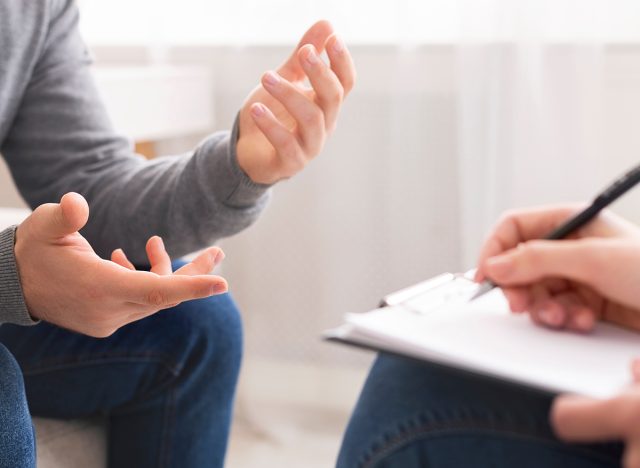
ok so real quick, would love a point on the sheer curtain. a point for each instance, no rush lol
(541, 116)
(530, 107)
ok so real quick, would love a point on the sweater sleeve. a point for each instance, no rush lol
(13, 308)
(61, 140)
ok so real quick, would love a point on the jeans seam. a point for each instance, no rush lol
(376, 455)
(151, 357)
(164, 456)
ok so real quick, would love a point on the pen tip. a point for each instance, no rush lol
(482, 290)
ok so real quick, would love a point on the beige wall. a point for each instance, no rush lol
(8, 194)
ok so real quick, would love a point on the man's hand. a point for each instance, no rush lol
(582, 419)
(65, 283)
(283, 123)
(570, 283)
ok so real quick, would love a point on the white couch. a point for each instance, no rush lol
(63, 444)
(70, 444)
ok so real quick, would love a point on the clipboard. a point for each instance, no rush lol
(434, 322)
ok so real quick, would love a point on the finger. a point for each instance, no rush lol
(317, 36)
(55, 220)
(580, 317)
(341, 62)
(519, 226)
(576, 260)
(544, 310)
(118, 256)
(518, 298)
(521, 297)
(158, 256)
(289, 154)
(162, 291)
(582, 419)
(204, 263)
(308, 116)
(621, 315)
(328, 89)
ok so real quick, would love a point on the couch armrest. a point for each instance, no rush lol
(11, 216)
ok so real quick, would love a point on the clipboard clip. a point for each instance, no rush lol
(434, 293)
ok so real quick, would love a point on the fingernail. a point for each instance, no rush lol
(499, 267)
(312, 57)
(584, 321)
(219, 258)
(271, 78)
(219, 288)
(258, 110)
(160, 242)
(550, 317)
(338, 45)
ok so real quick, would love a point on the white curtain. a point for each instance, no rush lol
(538, 108)
(530, 130)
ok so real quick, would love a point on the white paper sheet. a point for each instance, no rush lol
(485, 337)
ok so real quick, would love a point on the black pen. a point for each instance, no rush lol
(608, 196)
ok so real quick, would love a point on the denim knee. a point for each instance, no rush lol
(11, 382)
(214, 336)
(17, 443)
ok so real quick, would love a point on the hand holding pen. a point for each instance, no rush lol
(594, 274)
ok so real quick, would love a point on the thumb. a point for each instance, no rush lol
(317, 36)
(535, 260)
(579, 418)
(54, 220)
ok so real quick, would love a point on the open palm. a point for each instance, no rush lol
(65, 283)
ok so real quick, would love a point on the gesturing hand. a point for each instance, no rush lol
(581, 419)
(283, 123)
(571, 283)
(64, 282)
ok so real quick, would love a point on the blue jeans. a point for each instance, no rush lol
(412, 414)
(165, 385)
(17, 442)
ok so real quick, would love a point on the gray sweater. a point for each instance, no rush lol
(56, 137)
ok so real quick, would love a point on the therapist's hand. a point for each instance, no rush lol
(582, 419)
(284, 123)
(594, 275)
(65, 283)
